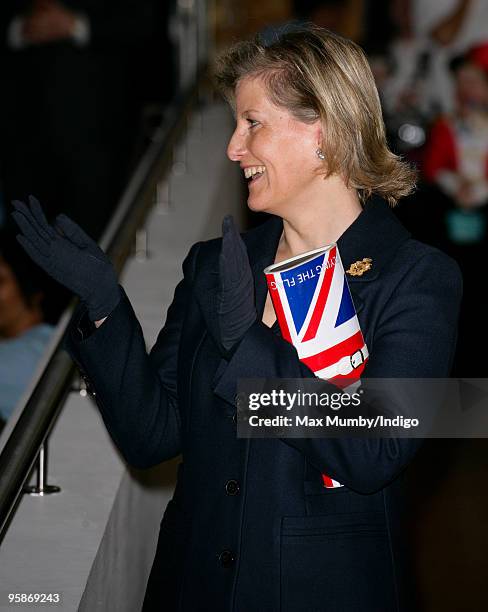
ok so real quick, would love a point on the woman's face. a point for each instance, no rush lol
(472, 86)
(281, 150)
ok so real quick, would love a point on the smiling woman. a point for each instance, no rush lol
(251, 526)
(269, 143)
(321, 86)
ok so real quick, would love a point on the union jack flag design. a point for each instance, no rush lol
(316, 314)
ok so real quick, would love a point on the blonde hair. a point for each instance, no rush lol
(317, 74)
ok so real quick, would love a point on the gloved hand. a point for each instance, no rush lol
(236, 310)
(70, 256)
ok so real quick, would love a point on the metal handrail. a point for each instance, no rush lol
(35, 422)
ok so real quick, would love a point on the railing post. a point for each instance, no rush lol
(141, 244)
(163, 196)
(42, 488)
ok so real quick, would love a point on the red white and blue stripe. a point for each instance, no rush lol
(316, 314)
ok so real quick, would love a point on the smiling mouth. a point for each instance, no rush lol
(254, 178)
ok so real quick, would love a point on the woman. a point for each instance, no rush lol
(250, 526)
(456, 163)
(25, 328)
(456, 155)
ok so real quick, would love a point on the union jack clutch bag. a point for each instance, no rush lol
(316, 314)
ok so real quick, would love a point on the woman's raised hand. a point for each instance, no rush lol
(236, 303)
(70, 256)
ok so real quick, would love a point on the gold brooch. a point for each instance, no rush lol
(358, 268)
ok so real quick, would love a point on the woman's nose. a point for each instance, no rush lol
(236, 147)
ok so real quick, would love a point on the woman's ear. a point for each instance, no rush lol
(319, 136)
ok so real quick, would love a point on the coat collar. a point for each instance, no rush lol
(375, 233)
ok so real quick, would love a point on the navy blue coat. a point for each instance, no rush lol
(250, 527)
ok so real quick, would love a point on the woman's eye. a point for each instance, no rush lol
(252, 123)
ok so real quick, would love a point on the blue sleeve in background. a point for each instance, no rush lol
(19, 358)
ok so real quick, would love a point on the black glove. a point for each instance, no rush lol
(70, 256)
(236, 310)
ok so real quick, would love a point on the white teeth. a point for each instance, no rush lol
(252, 170)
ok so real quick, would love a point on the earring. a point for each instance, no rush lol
(320, 153)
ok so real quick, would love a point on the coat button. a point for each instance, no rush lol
(227, 558)
(232, 487)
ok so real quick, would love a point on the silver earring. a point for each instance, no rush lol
(320, 153)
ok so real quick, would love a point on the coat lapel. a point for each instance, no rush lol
(262, 244)
(376, 233)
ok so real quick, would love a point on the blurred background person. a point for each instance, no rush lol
(74, 75)
(425, 36)
(456, 163)
(27, 318)
(416, 40)
(449, 28)
(456, 156)
(401, 65)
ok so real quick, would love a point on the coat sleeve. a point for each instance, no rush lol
(415, 338)
(136, 392)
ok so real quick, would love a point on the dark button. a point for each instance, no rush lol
(227, 558)
(232, 487)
